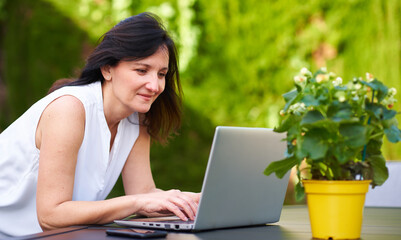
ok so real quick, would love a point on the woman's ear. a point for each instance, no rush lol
(106, 72)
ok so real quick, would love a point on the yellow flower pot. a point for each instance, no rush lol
(336, 208)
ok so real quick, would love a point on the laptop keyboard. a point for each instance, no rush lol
(176, 221)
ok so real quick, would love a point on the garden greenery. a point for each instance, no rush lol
(337, 128)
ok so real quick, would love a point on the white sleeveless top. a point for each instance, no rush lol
(97, 168)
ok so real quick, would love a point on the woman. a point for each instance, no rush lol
(62, 157)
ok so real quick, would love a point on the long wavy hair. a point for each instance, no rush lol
(136, 38)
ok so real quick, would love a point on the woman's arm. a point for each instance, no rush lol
(59, 136)
(138, 181)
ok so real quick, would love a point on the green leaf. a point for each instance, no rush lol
(312, 117)
(323, 95)
(322, 168)
(374, 146)
(301, 153)
(288, 121)
(281, 167)
(294, 130)
(290, 95)
(380, 89)
(389, 122)
(299, 192)
(355, 135)
(309, 100)
(375, 109)
(314, 144)
(342, 152)
(380, 111)
(393, 134)
(343, 115)
(388, 114)
(380, 171)
(289, 98)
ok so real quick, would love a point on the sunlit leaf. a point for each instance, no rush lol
(288, 121)
(281, 167)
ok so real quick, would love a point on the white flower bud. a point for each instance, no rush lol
(338, 81)
(305, 71)
(297, 108)
(320, 78)
(392, 91)
(369, 77)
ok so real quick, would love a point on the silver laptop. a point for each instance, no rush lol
(235, 191)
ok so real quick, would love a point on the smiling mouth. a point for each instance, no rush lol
(146, 97)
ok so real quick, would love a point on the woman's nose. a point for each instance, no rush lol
(153, 84)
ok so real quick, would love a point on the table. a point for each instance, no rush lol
(378, 223)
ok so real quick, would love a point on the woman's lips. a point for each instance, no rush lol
(146, 97)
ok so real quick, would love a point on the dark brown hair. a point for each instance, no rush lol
(136, 38)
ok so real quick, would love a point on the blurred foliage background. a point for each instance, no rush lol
(236, 59)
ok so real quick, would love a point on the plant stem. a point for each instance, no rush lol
(365, 147)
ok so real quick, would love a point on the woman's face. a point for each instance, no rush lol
(135, 85)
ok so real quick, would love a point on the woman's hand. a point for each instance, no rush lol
(164, 203)
(195, 196)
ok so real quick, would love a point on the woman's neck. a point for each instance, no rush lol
(113, 111)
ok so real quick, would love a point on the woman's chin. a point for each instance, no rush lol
(143, 109)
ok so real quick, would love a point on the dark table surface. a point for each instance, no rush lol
(378, 223)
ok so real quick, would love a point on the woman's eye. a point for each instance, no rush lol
(141, 71)
(162, 75)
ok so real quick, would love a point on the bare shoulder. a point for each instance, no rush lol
(64, 119)
(66, 107)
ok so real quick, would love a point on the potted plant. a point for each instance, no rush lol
(335, 130)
